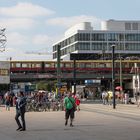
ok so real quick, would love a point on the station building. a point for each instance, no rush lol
(83, 42)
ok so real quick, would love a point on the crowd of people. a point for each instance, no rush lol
(41, 101)
(38, 101)
(50, 101)
(120, 97)
(8, 99)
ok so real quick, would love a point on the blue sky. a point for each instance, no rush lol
(34, 25)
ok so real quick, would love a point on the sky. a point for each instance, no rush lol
(33, 26)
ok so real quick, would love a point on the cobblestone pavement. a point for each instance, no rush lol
(93, 122)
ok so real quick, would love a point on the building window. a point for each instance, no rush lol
(84, 37)
(88, 65)
(76, 47)
(47, 65)
(97, 46)
(98, 37)
(76, 37)
(132, 37)
(37, 65)
(127, 26)
(52, 65)
(135, 26)
(84, 46)
(24, 65)
(113, 37)
(54, 55)
(87, 37)
(61, 65)
(81, 65)
(3, 72)
(18, 65)
(72, 48)
(67, 65)
(121, 37)
(129, 37)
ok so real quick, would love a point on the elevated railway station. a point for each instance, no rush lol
(32, 71)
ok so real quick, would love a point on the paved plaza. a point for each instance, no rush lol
(93, 122)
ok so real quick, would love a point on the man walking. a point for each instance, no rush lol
(20, 111)
(69, 104)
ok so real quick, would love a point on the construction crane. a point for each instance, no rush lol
(40, 52)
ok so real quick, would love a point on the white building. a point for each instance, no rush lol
(88, 43)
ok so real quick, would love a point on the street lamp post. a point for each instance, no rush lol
(58, 70)
(121, 79)
(113, 75)
(120, 72)
(74, 74)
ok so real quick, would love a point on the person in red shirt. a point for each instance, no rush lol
(77, 101)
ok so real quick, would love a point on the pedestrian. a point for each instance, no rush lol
(7, 101)
(104, 97)
(69, 104)
(20, 111)
(138, 100)
(110, 97)
(77, 101)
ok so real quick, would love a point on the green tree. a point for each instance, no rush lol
(48, 86)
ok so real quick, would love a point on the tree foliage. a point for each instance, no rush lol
(48, 86)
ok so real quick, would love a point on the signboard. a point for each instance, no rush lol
(96, 81)
(136, 83)
(79, 88)
(30, 88)
(63, 89)
(4, 72)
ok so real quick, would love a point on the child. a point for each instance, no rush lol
(77, 101)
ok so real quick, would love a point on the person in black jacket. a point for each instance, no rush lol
(20, 111)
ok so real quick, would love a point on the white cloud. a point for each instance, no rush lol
(69, 21)
(17, 23)
(25, 16)
(25, 9)
(16, 39)
(41, 39)
(21, 15)
(45, 40)
(17, 54)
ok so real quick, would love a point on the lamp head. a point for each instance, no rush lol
(113, 46)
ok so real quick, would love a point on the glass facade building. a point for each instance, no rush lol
(96, 44)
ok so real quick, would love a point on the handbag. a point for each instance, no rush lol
(74, 105)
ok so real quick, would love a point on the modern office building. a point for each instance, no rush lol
(86, 43)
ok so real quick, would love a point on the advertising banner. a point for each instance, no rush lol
(136, 83)
(4, 72)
